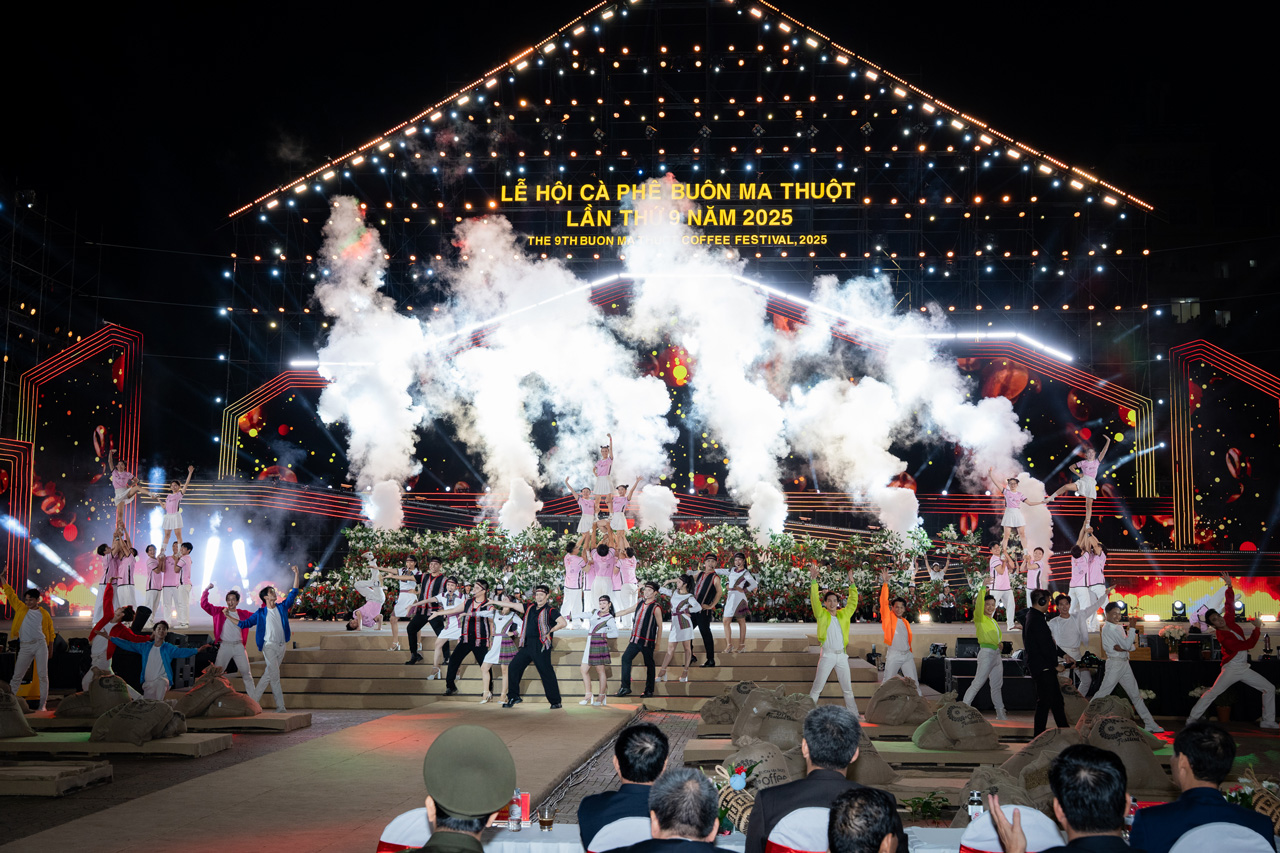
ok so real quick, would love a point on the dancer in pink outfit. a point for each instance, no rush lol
(172, 524)
(604, 465)
(1087, 486)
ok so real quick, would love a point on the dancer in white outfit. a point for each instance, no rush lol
(898, 658)
(1001, 568)
(502, 648)
(1235, 661)
(618, 516)
(603, 628)
(833, 638)
(739, 580)
(1117, 642)
(172, 523)
(1071, 632)
(683, 630)
(405, 599)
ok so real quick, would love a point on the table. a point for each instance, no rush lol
(1173, 680)
(922, 839)
(564, 838)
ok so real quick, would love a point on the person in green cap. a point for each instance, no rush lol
(470, 775)
(990, 666)
(833, 637)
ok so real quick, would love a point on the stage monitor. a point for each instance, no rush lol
(966, 647)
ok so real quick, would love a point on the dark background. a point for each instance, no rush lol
(133, 135)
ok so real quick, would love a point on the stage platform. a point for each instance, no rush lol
(335, 792)
(50, 778)
(189, 745)
(1011, 730)
(266, 722)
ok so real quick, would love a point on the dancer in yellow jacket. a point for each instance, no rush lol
(898, 657)
(990, 666)
(33, 626)
(833, 639)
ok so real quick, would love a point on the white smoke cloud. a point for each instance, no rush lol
(372, 359)
(684, 295)
(383, 506)
(655, 505)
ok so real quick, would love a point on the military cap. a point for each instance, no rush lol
(469, 772)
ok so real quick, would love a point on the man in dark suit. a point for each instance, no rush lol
(795, 815)
(620, 818)
(684, 814)
(1042, 659)
(1202, 758)
(1089, 801)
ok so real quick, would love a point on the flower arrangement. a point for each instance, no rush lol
(1147, 695)
(1241, 793)
(535, 556)
(1173, 634)
(734, 800)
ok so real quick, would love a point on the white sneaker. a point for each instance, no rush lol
(1264, 724)
(586, 700)
(1156, 729)
(1001, 715)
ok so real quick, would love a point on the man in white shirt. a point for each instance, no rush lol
(1117, 642)
(34, 627)
(271, 631)
(1071, 632)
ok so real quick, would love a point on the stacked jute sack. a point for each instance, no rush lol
(955, 725)
(116, 718)
(213, 696)
(897, 702)
(13, 717)
(1109, 723)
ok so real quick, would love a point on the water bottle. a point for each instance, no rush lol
(513, 813)
(974, 806)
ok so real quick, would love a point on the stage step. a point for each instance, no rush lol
(569, 686)
(721, 676)
(567, 639)
(559, 655)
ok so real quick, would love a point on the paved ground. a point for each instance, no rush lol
(138, 776)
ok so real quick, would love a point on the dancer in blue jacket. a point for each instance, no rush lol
(271, 632)
(157, 660)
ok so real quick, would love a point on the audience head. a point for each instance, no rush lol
(1089, 790)
(683, 804)
(1202, 753)
(640, 754)
(831, 737)
(469, 775)
(864, 820)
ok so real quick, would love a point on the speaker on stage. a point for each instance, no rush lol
(967, 647)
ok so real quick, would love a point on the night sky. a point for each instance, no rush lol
(145, 130)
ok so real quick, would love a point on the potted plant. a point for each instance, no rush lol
(1172, 636)
(927, 810)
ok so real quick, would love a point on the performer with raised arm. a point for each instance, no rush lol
(502, 646)
(541, 621)
(575, 574)
(833, 640)
(588, 505)
(627, 575)
(603, 468)
(169, 584)
(112, 624)
(1117, 642)
(271, 632)
(432, 586)
(232, 640)
(1001, 568)
(1035, 565)
(708, 590)
(683, 606)
(1070, 629)
(448, 606)
(898, 657)
(33, 627)
(644, 638)
(1087, 486)
(157, 660)
(405, 599)
(1235, 661)
(475, 620)
(739, 581)
(1096, 562)
(172, 523)
(1012, 521)
(154, 568)
(990, 665)
(126, 485)
(603, 628)
(618, 516)
(184, 586)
